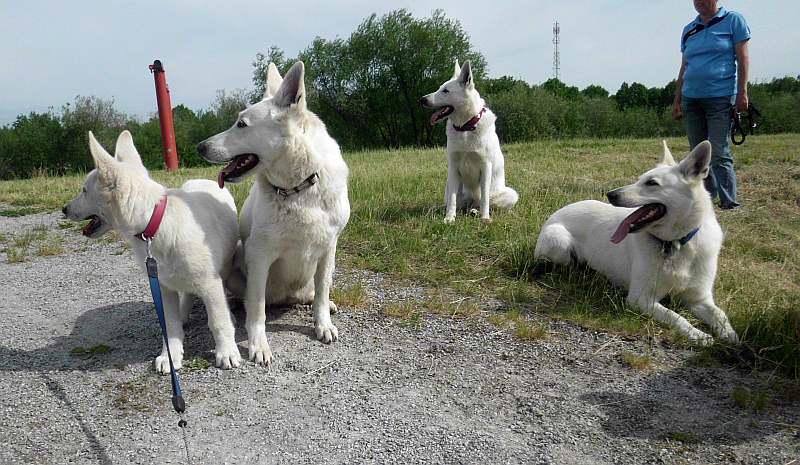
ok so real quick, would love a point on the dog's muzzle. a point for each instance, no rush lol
(613, 197)
(202, 149)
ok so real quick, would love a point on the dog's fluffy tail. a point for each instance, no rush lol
(555, 244)
(505, 197)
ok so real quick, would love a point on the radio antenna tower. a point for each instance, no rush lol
(556, 56)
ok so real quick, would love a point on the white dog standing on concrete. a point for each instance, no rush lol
(194, 244)
(674, 249)
(475, 165)
(297, 206)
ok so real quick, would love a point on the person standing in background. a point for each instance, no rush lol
(713, 76)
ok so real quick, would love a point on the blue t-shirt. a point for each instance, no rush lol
(710, 54)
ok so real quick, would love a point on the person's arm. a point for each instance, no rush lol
(677, 113)
(742, 70)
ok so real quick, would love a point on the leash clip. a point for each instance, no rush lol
(148, 241)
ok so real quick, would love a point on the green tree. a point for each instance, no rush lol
(594, 91)
(260, 64)
(367, 88)
(559, 89)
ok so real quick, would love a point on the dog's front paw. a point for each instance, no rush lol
(162, 361)
(700, 338)
(449, 219)
(326, 332)
(227, 356)
(729, 335)
(486, 220)
(259, 350)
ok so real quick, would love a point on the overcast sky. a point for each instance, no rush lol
(55, 50)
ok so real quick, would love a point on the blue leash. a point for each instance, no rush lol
(155, 289)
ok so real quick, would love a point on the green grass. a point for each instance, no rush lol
(407, 313)
(756, 400)
(354, 296)
(514, 320)
(12, 213)
(529, 331)
(27, 238)
(396, 228)
(99, 349)
(683, 437)
(16, 255)
(196, 364)
(50, 248)
(636, 361)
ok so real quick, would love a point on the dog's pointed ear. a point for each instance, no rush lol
(695, 166)
(105, 163)
(125, 150)
(292, 90)
(456, 69)
(465, 75)
(667, 159)
(273, 82)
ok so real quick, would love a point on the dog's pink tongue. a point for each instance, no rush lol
(224, 171)
(624, 228)
(434, 118)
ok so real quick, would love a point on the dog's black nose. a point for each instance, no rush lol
(423, 101)
(202, 148)
(612, 196)
(64, 210)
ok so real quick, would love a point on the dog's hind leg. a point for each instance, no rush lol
(219, 321)
(323, 277)
(504, 198)
(236, 283)
(174, 330)
(185, 303)
(556, 244)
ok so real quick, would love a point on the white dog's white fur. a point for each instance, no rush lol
(194, 246)
(581, 232)
(289, 242)
(475, 163)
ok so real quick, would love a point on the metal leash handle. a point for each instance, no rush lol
(155, 289)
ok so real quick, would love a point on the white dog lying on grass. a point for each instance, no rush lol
(673, 248)
(194, 245)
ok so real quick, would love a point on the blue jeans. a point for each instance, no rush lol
(710, 118)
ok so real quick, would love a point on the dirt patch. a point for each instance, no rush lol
(441, 390)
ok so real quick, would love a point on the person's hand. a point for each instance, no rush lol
(677, 113)
(742, 102)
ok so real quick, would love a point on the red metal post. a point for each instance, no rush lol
(165, 116)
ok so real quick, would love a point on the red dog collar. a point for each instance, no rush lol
(471, 124)
(155, 220)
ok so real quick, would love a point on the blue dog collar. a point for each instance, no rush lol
(668, 247)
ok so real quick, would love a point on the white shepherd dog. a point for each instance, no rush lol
(674, 249)
(297, 206)
(475, 165)
(194, 245)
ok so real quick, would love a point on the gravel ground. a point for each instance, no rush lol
(445, 392)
